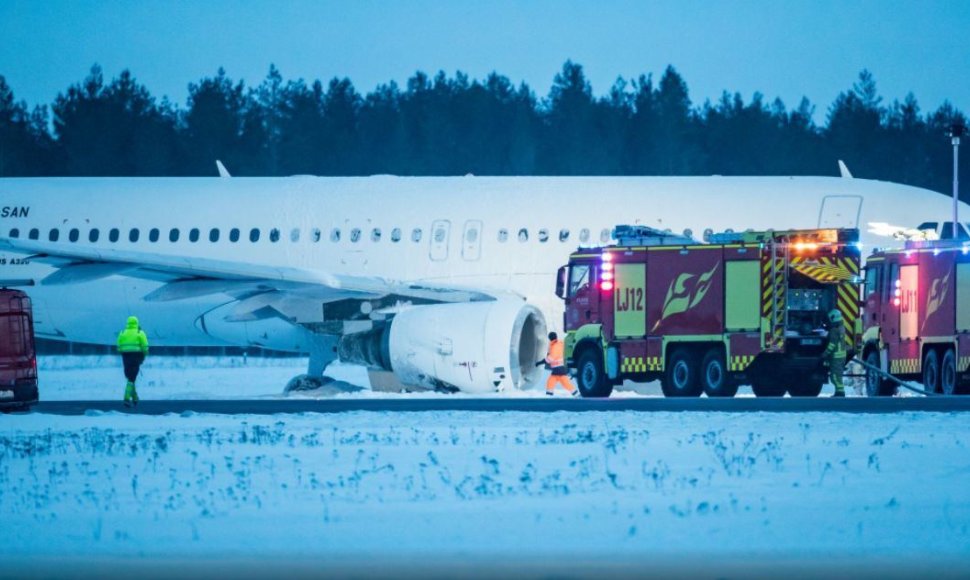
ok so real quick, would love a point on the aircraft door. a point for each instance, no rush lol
(440, 232)
(471, 247)
(840, 211)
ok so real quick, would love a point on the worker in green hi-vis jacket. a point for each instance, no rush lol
(133, 346)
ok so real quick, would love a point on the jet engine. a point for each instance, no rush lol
(475, 347)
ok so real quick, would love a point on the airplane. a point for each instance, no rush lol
(445, 282)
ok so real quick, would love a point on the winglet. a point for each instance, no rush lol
(223, 172)
(844, 170)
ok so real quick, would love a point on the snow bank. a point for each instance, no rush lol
(450, 485)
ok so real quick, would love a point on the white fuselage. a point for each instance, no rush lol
(503, 234)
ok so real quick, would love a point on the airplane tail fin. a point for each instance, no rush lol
(223, 172)
(844, 170)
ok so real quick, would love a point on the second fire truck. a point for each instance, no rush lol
(747, 308)
(917, 317)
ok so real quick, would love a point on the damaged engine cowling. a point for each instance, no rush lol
(473, 347)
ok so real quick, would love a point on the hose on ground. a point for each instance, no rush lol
(899, 382)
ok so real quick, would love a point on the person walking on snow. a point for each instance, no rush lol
(133, 346)
(834, 355)
(556, 361)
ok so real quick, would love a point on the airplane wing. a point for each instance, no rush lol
(185, 277)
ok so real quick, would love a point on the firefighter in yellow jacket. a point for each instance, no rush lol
(834, 355)
(133, 346)
(556, 361)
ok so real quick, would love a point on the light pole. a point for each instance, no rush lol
(956, 131)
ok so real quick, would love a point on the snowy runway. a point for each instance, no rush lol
(372, 487)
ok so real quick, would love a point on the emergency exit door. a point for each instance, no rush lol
(471, 245)
(840, 211)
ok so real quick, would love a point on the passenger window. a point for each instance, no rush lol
(173, 235)
(133, 235)
(93, 235)
(355, 235)
(254, 235)
(524, 235)
(74, 234)
(234, 235)
(604, 235)
(214, 235)
(375, 235)
(194, 235)
(578, 278)
(153, 235)
(471, 235)
(14, 233)
(396, 235)
(564, 235)
(543, 235)
(335, 235)
(584, 235)
(113, 235)
(34, 234)
(503, 235)
(416, 235)
(54, 235)
(274, 235)
(295, 235)
(316, 235)
(439, 235)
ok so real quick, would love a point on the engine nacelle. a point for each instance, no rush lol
(475, 347)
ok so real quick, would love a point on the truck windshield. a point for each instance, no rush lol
(872, 279)
(14, 338)
(578, 278)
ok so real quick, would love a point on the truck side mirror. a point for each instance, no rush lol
(561, 282)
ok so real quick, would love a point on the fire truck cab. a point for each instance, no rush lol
(745, 308)
(917, 316)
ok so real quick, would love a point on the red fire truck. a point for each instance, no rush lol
(746, 308)
(18, 361)
(917, 316)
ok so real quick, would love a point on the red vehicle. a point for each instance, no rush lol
(18, 360)
(747, 308)
(917, 316)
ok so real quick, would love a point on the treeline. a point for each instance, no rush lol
(455, 125)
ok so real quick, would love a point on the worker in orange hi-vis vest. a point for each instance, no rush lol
(556, 361)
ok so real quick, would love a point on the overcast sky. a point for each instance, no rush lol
(785, 49)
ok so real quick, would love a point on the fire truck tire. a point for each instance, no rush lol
(714, 377)
(876, 386)
(931, 371)
(767, 388)
(590, 378)
(680, 376)
(949, 380)
(805, 388)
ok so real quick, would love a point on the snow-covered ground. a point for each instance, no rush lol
(101, 378)
(548, 487)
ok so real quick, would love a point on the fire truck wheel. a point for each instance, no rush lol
(680, 377)
(714, 377)
(767, 388)
(931, 371)
(876, 386)
(590, 377)
(949, 381)
(805, 388)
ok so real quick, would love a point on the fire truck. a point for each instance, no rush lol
(917, 317)
(744, 308)
(18, 359)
